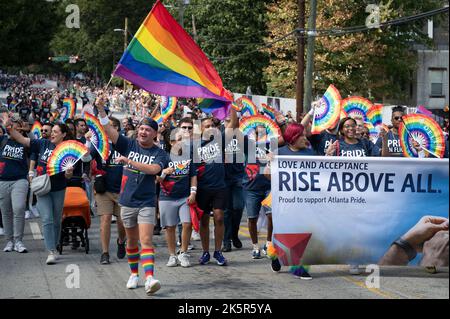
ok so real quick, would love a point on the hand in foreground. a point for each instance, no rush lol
(424, 230)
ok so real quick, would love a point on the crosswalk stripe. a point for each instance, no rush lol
(36, 231)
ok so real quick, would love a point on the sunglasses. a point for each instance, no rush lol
(45, 131)
(397, 118)
(187, 128)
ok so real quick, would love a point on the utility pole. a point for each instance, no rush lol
(310, 55)
(194, 29)
(125, 45)
(182, 8)
(300, 58)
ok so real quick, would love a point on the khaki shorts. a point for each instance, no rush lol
(107, 204)
(131, 217)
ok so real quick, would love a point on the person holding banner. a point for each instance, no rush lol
(319, 142)
(144, 160)
(297, 145)
(349, 145)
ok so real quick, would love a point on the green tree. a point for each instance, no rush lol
(228, 31)
(376, 63)
(26, 28)
(96, 43)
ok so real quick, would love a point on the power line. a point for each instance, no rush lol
(303, 33)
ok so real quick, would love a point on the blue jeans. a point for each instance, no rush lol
(51, 207)
(253, 200)
(233, 213)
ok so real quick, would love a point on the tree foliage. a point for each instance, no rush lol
(26, 28)
(377, 63)
(228, 31)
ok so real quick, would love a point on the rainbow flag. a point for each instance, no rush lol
(423, 110)
(163, 59)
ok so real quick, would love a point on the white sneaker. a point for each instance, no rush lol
(51, 259)
(195, 236)
(152, 285)
(133, 282)
(191, 247)
(28, 215)
(2, 232)
(183, 258)
(9, 247)
(20, 247)
(354, 270)
(173, 261)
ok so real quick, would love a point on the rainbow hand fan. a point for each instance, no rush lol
(423, 130)
(168, 106)
(267, 110)
(249, 124)
(248, 108)
(236, 107)
(36, 130)
(374, 115)
(373, 131)
(65, 156)
(68, 110)
(99, 138)
(357, 106)
(158, 119)
(327, 114)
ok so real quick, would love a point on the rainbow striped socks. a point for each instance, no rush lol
(133, 260)
(148, 261)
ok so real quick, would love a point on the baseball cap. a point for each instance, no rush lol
(149, 122)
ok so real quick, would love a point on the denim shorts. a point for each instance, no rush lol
(253, 200)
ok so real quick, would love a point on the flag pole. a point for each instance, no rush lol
(107, 85)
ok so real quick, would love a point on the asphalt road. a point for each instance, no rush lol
(27, 276)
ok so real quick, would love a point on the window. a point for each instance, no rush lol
(437, 82)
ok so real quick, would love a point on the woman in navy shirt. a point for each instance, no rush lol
(14, 189)
(50, 205)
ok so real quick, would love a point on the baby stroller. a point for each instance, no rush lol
(76, 220)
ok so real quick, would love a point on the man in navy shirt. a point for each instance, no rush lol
(143, 160)
(393, 139)
(235, 143)
(108, 202)
(212, 191)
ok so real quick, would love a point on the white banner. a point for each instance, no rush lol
(355, 207)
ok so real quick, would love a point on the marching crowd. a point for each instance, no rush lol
(157, 173)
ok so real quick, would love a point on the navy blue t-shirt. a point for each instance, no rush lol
(138, 189)
(234, 159)
(320, 142)
(394, 146)
(178, 185)
(363, 148)
(113, 170)
(45, 148)
(254, 179)
(285, 150)
(208, 157)
(13, 161)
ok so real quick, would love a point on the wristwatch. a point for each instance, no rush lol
(409, 250)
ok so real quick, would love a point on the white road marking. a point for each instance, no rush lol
(36, 231)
